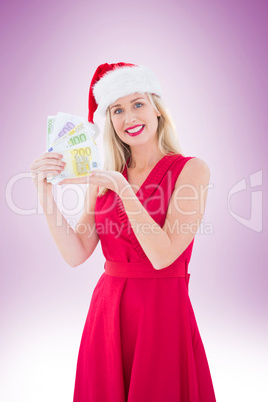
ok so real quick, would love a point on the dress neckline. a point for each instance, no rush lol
(125, 174)
(146, 191)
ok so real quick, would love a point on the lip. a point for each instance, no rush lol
(130, 128)
(138, 132)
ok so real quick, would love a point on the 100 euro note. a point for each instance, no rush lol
(62, 123)
(80, 153)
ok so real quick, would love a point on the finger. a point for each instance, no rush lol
(46, 174)
(76, 180)
(46, 169)
(55, 166)
(50, 174)
(48, 163)
(42, 176)
(52, 155)
(96, 171)
(48, 155)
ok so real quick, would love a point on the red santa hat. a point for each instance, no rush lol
(113, 81)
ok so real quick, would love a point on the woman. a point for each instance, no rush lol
(140, 342)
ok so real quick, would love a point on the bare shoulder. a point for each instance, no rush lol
(195, 170)
(197, 164)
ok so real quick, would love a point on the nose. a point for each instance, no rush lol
(129, 116)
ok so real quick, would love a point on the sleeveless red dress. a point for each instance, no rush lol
(141, 342)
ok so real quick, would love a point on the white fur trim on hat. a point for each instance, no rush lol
(122, 82)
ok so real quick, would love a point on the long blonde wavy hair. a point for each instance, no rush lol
(116, 152)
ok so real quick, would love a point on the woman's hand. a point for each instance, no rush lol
(48, 164)
(110, 179)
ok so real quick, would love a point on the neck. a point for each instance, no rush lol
(142, 159)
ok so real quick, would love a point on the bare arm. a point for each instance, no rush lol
(76, 245)
(186, 209)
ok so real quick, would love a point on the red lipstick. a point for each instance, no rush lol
(137, 132)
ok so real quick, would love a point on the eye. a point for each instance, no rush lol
(117, 111)
(138, 104)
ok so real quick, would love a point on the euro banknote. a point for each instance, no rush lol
(77, 145)
(50, 126)
(62, 123)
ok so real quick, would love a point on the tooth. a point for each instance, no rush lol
(134, 130)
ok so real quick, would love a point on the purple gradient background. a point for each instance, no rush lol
(211, 59)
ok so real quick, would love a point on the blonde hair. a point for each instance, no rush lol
(116, 152)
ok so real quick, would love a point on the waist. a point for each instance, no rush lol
(145, 269)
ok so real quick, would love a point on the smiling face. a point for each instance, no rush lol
(134, 119)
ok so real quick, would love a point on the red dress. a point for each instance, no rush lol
(141, 342)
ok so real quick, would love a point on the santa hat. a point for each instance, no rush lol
(113, 81)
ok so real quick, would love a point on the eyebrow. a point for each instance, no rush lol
(134, 100)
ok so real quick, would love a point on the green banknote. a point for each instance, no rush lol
(50, 126)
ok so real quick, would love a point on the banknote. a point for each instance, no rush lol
(75, 136)
(80, 161)
(64, 122)
(50, 126)
(78, 147)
